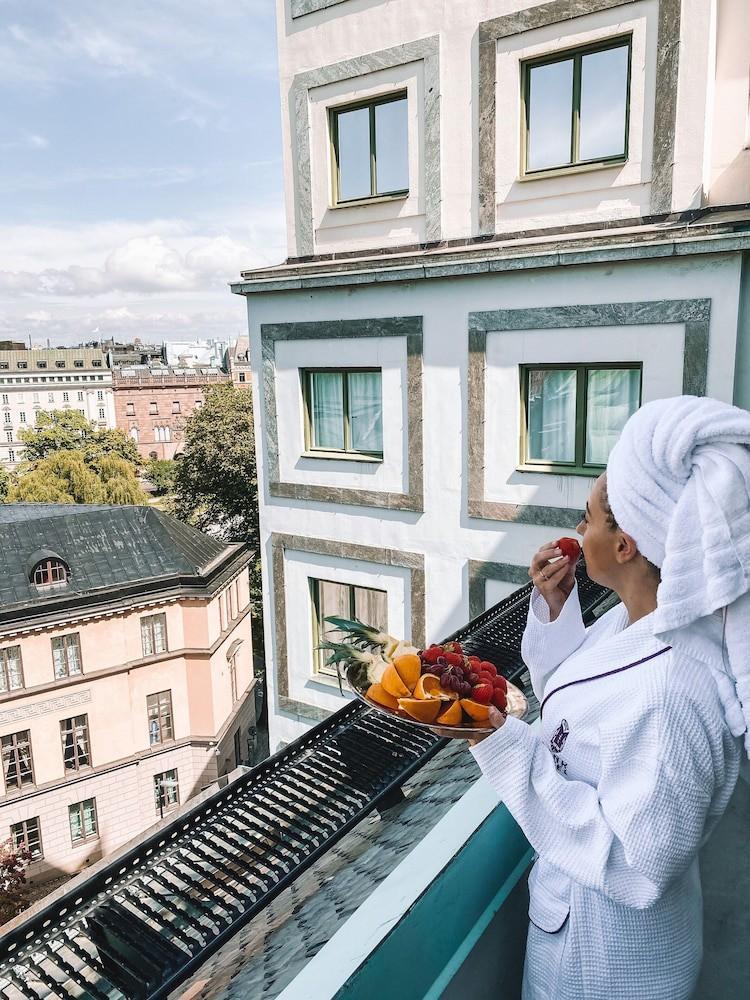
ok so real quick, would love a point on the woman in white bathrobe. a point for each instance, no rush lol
(630, 769)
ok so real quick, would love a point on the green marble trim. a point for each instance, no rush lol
(694, 314)
(480, 572)
(301, 7)
(409, 327)
(556, 12)
(412, 561)
(425, 50)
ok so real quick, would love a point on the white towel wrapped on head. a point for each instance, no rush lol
(678, 482)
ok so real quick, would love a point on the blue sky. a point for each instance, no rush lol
(140, 165)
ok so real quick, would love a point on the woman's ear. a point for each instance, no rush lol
(626, 549)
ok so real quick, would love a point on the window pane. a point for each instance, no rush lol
(328, 410)
(58, 655)
(550, 100)
(392, 146)
(371, 607)
(604, 94)
(551, 416)
(147, 641)
(160, 633)
(89, 818)
(612, 395)
(74, 654)
(365, 411)
(333, 599)
(76, 829)
(354, 154)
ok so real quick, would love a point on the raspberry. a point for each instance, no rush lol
(455, 659)
(498, 699)
(500, 682)
(488, 667)
(431, 655)
(569, 547)
(482, 693)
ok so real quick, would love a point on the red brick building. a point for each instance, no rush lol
(152, 407)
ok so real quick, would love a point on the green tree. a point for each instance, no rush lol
(69, 430)
(216, 486)
(64, 477)
(160, 472)
(5, 482)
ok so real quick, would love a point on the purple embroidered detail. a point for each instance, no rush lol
(559, 737)
(607, 673)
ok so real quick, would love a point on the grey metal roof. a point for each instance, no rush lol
(51, 355)
(104, 546)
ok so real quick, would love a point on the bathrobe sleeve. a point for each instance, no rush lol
(546, 644)
(643, 824)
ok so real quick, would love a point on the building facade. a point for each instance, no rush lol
(153, 404)
(65, 379)
(210, 353)
(126, 674)
(238, 362)
(509, 224)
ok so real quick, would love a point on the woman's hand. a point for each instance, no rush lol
(496, 720)
(554, 581)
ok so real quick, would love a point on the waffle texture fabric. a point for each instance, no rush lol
(616, 791)
(678, 482)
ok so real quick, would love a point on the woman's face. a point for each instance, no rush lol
(599, 540)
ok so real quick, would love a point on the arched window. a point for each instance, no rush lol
(47, 569)
(134, 434)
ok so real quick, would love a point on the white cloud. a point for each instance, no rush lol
(31, 140)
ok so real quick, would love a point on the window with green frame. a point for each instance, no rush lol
(572, 414)
(343, 411)
(344, 600)
(576, 107)
(370, 149)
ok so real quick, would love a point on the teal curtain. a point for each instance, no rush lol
(612, 395)
(365, 412)
(328, 410)
(551, 433)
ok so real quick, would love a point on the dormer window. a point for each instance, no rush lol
(48, 570)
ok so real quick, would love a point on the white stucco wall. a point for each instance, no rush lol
(710, 137)
(443, 534)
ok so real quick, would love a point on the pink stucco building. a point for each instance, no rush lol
(126, 677)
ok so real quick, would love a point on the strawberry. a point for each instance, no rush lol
(500, 682)
(482, 693)
(455, 659)
(488, 667)
(431, 655)
(452, 647)
(484, 677)
(474, 659)
(498, 699)
(570, 548)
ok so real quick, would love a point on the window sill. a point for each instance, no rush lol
(377, 200)
(327, 682)
(343, 456)
(563, 470)
(577, 168)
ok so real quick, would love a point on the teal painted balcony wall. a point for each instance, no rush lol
(423, 955)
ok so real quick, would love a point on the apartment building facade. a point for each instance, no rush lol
(509, 224)
(63, 379)
(238, 362)
(153, 404)
(126, 676)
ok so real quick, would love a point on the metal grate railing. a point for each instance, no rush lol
(140, 926)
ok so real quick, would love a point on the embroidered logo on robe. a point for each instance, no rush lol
(556, 744)
(559, 737)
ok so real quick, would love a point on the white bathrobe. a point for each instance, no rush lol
(616, 791)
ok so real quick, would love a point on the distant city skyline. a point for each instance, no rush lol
(140, 167)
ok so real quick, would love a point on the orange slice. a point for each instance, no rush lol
(391, 681)
(423, 710)
(452, 716)
(409, 667)
(428, 686)
(376, 692)
(475, 709)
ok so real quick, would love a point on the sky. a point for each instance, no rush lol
(140, 166)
